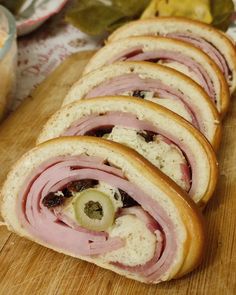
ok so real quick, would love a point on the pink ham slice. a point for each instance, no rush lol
(205, 46)
(97, 236)
(169, 56)
(59, 231)
(186, 177)
(83, 126)
(132, 82)
(192, 65)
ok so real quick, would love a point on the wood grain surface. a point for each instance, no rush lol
(27, 268)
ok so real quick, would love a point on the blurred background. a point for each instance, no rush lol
(47, 31)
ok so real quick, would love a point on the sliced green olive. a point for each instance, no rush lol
(94, 210)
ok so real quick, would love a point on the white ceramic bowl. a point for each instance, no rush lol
(43, 10)
(8, 60)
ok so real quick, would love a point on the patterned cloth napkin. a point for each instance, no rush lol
(40, 52)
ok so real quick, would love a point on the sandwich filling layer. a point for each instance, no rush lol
(152, 90)
(161, 149)
(206, 47)
(176, 60)
(85, 206)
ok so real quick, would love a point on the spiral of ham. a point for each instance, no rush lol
(206, 47)
(58, 231)
(89, 123)
(137, 54)
(131, 82)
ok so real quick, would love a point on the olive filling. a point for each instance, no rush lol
(54, 199)
(93, 210)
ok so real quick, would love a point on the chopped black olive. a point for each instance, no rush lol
(107, 163)
(147, 135)
(127, 200)
(80, 185)
(93, 210)
(116, 196)
(66, 193)
(100, 132)
(52, 200)
(139, 93)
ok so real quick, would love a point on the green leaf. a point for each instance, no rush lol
(95, 17)
(131, 7)
(93, 20)
(13, 5)
(112, 27)
(222, 11)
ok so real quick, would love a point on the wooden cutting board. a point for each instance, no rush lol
(27, 268)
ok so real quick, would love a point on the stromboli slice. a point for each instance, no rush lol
(164, 138)
(156, 83)
(165, 225)
(172, 53)
(213, 42)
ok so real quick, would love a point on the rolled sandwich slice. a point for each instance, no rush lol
(156, 83)
(213, 42)
(165, 139)
(176, 54)
(101, 202)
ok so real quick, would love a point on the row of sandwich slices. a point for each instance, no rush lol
(120, 171)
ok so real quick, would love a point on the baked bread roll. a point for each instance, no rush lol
(213, 42)
(155, 83)
(101, 202)
(169, 142)
(172, 53)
